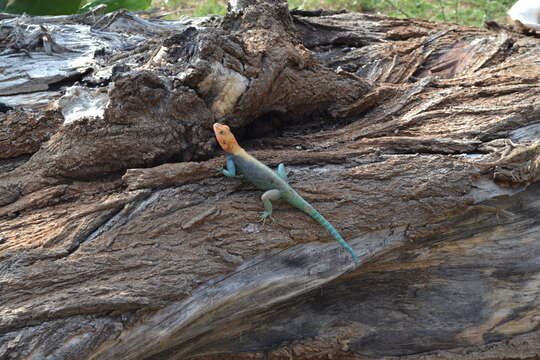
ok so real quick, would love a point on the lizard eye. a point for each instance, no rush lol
(221, 132)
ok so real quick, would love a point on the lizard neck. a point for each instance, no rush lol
(238, 151)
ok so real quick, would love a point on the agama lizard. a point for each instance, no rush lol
(274, 183)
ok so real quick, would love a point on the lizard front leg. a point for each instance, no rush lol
(267, 198)
(230, 171)
(282, 173)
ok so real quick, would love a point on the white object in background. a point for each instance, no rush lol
(526, 13)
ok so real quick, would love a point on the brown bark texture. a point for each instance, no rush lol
(419, 141)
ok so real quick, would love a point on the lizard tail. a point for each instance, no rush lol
(332, 230)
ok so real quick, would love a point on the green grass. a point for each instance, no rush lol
(469, 12)
(210, 7)
(192, 7)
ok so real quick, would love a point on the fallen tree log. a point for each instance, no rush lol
(419, 141)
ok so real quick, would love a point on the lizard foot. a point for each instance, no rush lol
(227, 173)
(265, 215)
(220, 171)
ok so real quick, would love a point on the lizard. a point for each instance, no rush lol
(275, 183)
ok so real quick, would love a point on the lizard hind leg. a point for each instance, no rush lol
(267, 198)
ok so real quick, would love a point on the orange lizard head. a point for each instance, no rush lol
(225, 138)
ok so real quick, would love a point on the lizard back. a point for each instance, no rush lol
(259, 174)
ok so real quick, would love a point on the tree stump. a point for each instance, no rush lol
(419, 141)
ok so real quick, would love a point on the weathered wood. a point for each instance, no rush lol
(419, 141)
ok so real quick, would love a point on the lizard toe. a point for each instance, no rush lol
(265, 215)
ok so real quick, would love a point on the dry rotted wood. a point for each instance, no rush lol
(419, 141)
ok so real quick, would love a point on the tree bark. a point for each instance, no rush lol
(419, 141)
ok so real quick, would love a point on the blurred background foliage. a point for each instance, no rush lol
(35, 7)
(64, 7)
(464, 12)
